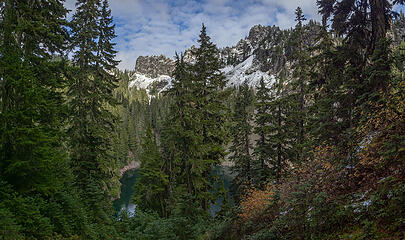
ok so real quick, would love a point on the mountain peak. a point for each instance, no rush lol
(257, 33)
(154, 66)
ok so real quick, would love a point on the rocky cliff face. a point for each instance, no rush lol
(154, 66)
(262, 54)
(189, 54)
(153, 73)
(245, 47)
(247, 61)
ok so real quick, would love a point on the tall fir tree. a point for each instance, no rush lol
(196, 135)
(31, 149)
(36, 183)
(84, 35)
(302, 57)
(92, 124)
(152, 182)
(261, 118)
(299, 85)
(323, 124)
(241, 131)
(181, 140)
(359, 88)
(280, 128)
(209, 91)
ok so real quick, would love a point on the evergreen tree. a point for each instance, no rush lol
(208, 90)
(357, 85)
(92, 124)
(84, 35)
(183, 142)
(280, 128)
(36, 183)
(195, 133)
(323, 88)
(241, 131)
(31, 152)
(151, 184)
(261, 118)
(298, 86)
(92, 88)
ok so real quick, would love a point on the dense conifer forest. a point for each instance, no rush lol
(316, 153)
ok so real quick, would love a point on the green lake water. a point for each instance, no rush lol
(127, 191)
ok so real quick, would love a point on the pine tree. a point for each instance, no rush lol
(195, 133)
(356, 88)
(84, 35)
(280, 128)
(152, 182)
(241, 131)
(181, 140)
(208, 89)
(92, 125)
(91, 91)
(31, 150)
(183, 110)
(375, 15)
(299, 85)
(33, 159)
(261, 118)
(322, 87)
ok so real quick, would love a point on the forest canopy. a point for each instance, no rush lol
(314, 149)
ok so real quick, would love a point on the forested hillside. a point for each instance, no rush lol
(308, 124)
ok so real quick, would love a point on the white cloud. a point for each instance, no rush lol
(152, 27)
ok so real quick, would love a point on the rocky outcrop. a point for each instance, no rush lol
(189, 54)
(132, 165)
(264, 53)
(154, 66)
(257, 43)
(257, 34)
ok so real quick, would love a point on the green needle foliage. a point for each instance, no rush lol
(152, 182)
(315, 153)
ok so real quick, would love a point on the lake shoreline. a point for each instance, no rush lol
(130, 166)
(126, 190)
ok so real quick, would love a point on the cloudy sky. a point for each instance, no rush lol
(154, 27)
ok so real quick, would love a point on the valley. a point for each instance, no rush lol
(292, 132)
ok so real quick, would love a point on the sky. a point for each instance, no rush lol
(154, 27)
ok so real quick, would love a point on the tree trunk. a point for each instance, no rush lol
(247, 147)
(379, 21)
(279, 146)
(262, 140)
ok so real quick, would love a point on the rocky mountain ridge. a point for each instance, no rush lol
(264, 53)
(242, 62)
(154, 66)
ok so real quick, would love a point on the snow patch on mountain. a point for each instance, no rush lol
(144, 82)
(246, 72)
(140, 81)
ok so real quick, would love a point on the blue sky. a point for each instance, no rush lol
(154, 27)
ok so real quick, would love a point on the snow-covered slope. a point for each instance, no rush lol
(246, 72)
(142, 81)
(160, 83)
(236, 75)
(248, 61)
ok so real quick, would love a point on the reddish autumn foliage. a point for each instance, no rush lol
(254, 202)
(383, 148)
